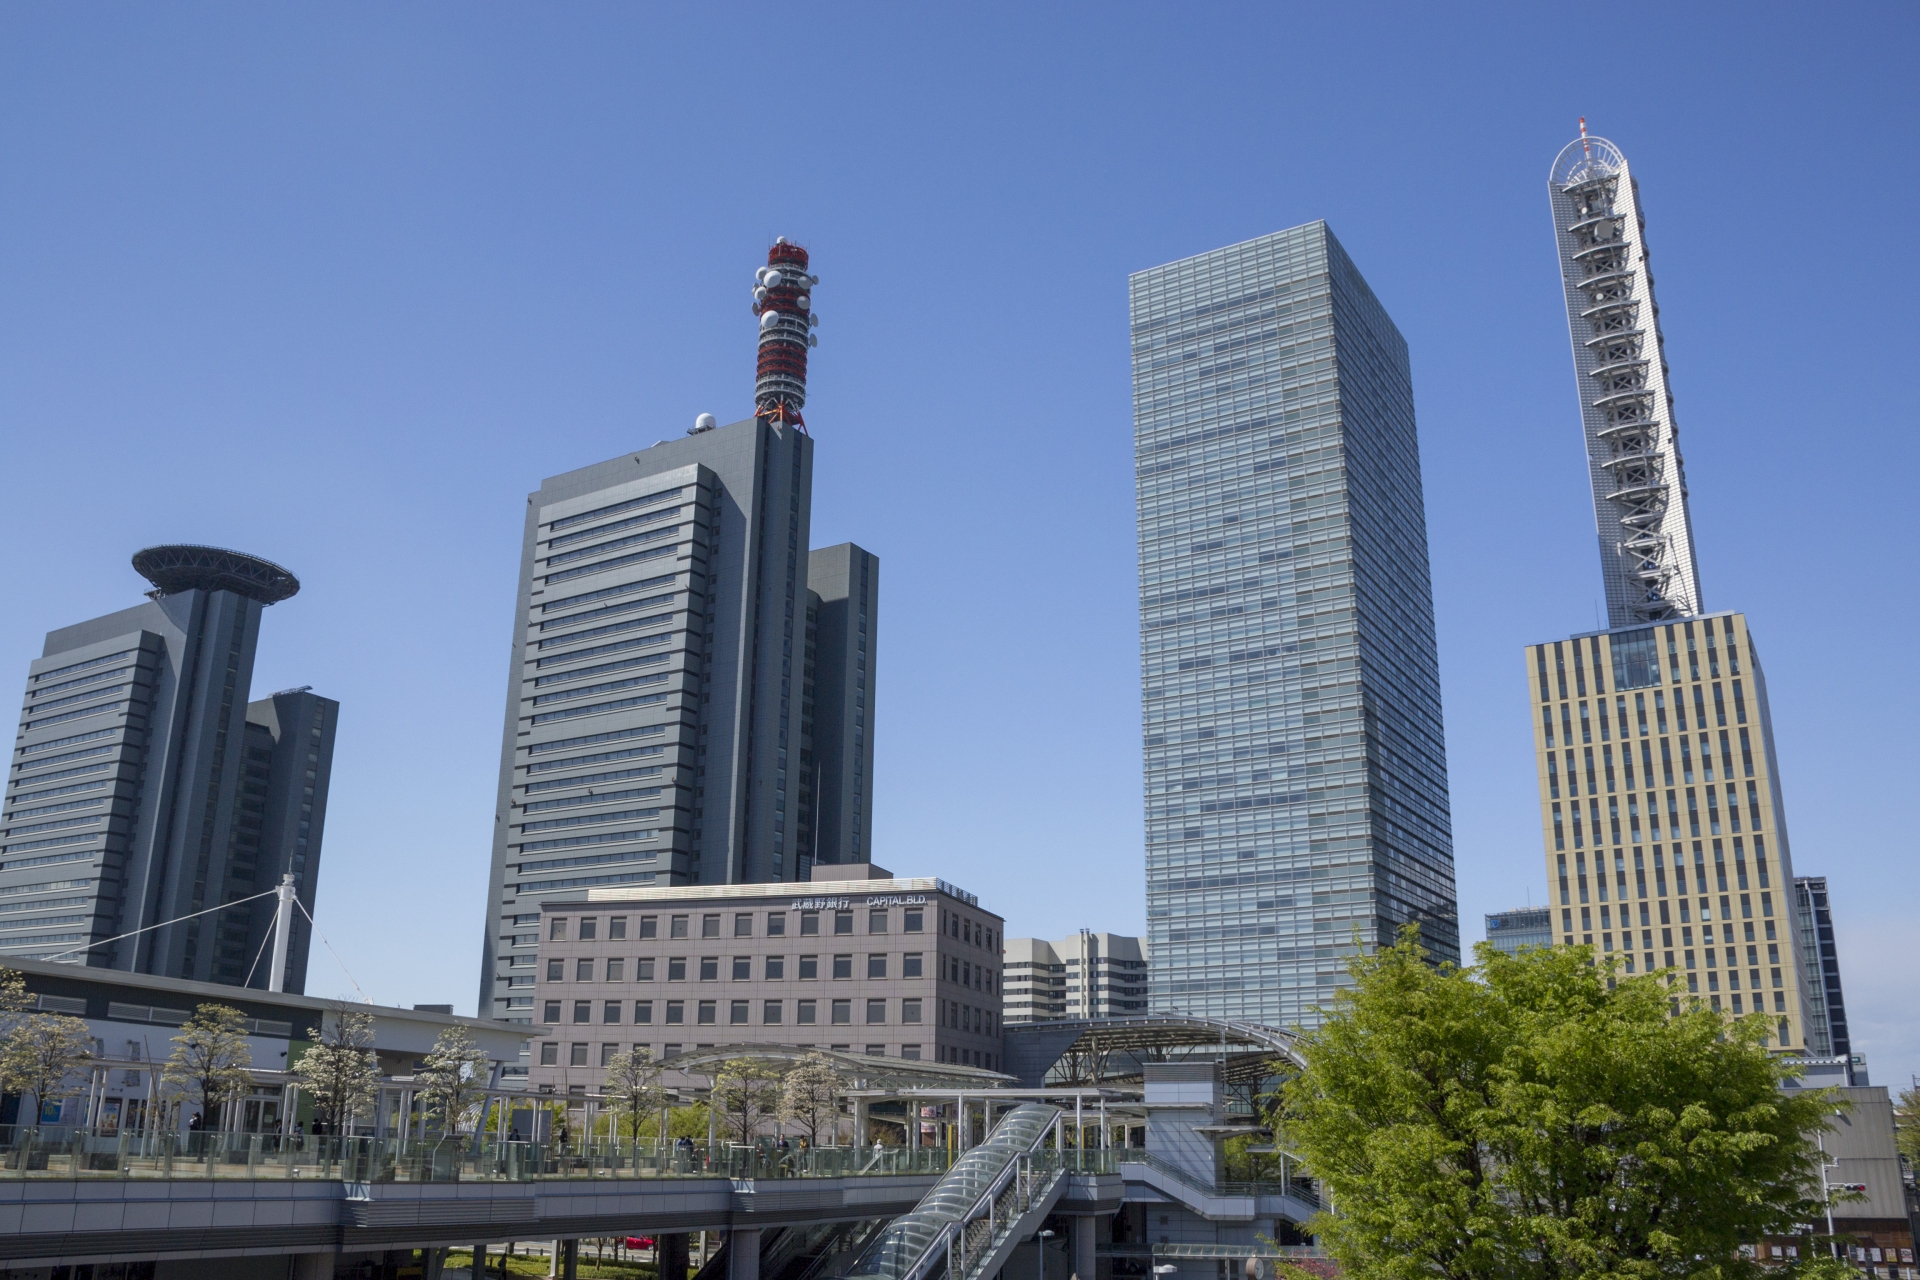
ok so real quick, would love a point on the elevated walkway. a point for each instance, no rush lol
(1149, 1177)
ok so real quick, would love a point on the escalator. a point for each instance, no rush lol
(967, 1226)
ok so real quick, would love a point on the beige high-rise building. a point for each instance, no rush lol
(1661, 811)
(1659, 787)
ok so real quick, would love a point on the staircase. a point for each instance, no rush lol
(993, 1197)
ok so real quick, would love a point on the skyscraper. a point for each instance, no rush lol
(145, 788)
(1653, 739)
(1826, 1003)
(661, 694)
(1296, 784)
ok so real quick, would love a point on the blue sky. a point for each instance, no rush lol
(339, 284)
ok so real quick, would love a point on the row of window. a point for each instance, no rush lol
(1720, 872)
(773, 1013)
(1653, 813)
(773, 968)
(1603, 765)
(1636, 658)
(1659, 710)
(587, 928)
(578, 1054)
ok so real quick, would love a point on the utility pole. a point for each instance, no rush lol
(282, 932)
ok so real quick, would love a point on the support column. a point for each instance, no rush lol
(671, 1250)
(479, 1261)
(1085, 1227)
(743, 1255)
(435, 1262)
(319, 1266)
(570, 1268)
(860, 1123)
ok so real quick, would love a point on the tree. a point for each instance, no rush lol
(1544, 1118)
(15, 1002)
(40, 1053)
(340, 1073)
(1906, 1124)
(745, 1091)
(632, 1080)
(210, 1060)
(810, 1096)
(455, 1076)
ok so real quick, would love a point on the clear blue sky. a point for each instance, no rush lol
(339, 284)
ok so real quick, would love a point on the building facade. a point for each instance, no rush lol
(1296, 789)
(1090, 975)
(837, 706)
(673, 663)
(1511, 931)
(1660, 800)
(877, 966)
(1827, 1034)
(145, 787)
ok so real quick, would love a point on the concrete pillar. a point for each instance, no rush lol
(570, 1268)
(860, 1122)
(435, 1263)
(743, 1255)
(671, 1250)
(319, 1266)
(479, 1261)
(1085, 1236)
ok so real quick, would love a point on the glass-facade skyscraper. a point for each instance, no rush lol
(1296, 783)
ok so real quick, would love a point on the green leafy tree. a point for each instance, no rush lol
(810, 1096)
(1906, 1124)
(1541, 1118)
(15, 1001)
(632, 1081)
(745, 1093)
(42, 1053)
(210, 1061)
(455, 1077)
(340, 1073)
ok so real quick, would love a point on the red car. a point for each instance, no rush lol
(639, 1242)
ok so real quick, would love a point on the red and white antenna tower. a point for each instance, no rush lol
(783, 299)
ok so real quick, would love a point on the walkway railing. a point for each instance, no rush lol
(1298, 1188)
(65, 1152)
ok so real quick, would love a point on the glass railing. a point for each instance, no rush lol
(51, 1151)
(1299, 1188)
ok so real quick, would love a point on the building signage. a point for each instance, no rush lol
(846, 904)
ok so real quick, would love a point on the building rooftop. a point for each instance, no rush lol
(187, 567)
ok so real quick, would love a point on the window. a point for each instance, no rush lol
(677, 927)
(649, 926)
(809, 968)
(742, 968)
(589, 928)
(877, 920)
(910, 966)
(770, 1013)
(743, 924)
(583, 1011)
(842, 1012)
(776, 968)
(607, 1051)
(737, 1012)
(549, 1054)
(909, 1011)
(616, 971)
(809, 923)
(710, 925)
(557, 930)
(876, 1011)
(843, 922)
(843, 967)
(677, 969)
(676, 1011)
(617, 927)
(877, 966)
(776, 924)
(915, 919)
(611, 1012)
(583, 970)
(643, 970)
(709, 968)
(876, 1051)
(911, 1052)
(556, 971)
(552, 1011)
(709, 1012)
(643, 1011)
(576, 1055)
(806, 1011)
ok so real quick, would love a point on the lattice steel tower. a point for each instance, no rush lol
(1633, 449)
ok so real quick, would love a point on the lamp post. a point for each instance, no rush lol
(1040, 1254)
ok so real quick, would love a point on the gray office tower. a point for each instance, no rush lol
(690, 692)
(1296, 780)
(145, 788)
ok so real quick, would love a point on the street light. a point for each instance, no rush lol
(1040, 1239)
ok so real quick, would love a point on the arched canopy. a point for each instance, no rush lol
(1095, 1049)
